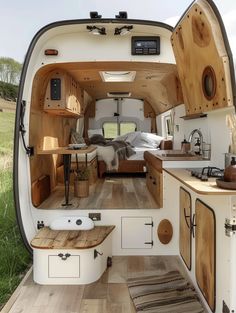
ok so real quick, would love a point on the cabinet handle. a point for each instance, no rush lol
(154, 182)
(193, 225)
(149, 224)
(150, 177)
(64, 257)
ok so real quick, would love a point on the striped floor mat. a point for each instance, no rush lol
(167, 293)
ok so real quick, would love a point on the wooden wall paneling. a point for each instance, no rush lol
(157, 83)
(198, 43)
(205, 249)
(46, 131)
(72, 96)
(185, 238)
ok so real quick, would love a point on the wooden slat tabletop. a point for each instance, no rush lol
(70, 239)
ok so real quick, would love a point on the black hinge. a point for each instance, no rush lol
(149, 243)
(29, 150)
(149, 224)
(230, 227)
(225, 308)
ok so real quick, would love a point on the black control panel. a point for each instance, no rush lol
(55, 89)
(145, 45)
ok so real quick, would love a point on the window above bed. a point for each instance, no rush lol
(113, 129)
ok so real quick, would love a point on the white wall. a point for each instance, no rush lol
(130, 110)
(213, 128)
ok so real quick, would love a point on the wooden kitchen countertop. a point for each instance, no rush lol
(204, 188)
(175, 155)
(47, 238)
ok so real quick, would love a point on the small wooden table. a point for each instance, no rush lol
(66, 152)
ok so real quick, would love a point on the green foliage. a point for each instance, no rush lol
(8, 91)
(10, 70)
(14, 259)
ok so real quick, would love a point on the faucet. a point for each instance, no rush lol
(190, 139)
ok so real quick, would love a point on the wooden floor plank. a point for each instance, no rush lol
(108, 193)
(108, 295)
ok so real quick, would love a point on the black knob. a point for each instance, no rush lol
(78, 222)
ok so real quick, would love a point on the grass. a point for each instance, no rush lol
(14, 259)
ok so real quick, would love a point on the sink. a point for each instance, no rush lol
(178, 155)
(72, 223)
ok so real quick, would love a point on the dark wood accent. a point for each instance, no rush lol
(125, 166)
(205, 251)
(165, 231)
(40, 190)
(185, 238)
(154, 161)
(70, 239)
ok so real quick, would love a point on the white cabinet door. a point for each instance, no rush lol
(63, 266)
(136, 232)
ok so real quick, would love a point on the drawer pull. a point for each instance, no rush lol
(154, 182)
(150, 177)
(64, 257)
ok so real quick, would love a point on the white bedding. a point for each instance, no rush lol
(139, 153)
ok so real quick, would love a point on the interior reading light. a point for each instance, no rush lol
(94, 14)
(51, 52)
(123, 30)
(96, 30)
(122, 14)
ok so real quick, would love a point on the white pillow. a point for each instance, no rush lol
(97, 131)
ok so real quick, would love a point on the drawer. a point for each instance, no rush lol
(63, 266)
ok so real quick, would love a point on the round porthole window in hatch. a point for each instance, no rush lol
(209, 83)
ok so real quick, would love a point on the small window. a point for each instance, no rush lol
(127, 127)
(110, 130)
(167, 126)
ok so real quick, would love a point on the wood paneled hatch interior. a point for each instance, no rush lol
(55, 112)
(185, 240)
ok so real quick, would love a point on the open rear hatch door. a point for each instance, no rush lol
(204, 59)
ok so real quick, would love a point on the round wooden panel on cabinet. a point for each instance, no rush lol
(165, 231)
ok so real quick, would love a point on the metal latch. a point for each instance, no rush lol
(149, 224)
(149, 243)
(230, 227)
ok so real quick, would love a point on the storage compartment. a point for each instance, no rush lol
(40, 190)
(63, 265)
(154, 182)
(71, 257)
(63, 95)
(185, 239)
(206, 252)
(136, 232)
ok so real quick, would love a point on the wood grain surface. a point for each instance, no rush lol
(185, 238)
(205, 250)
(67, 239)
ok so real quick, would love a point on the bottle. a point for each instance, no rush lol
(230, 171)
(197, 147)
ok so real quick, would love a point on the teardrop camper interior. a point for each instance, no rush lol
(119, 153)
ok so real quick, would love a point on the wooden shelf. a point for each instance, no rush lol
(194, 116)
(66, 150)
(47, 238)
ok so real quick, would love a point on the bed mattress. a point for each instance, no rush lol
(138, 156)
